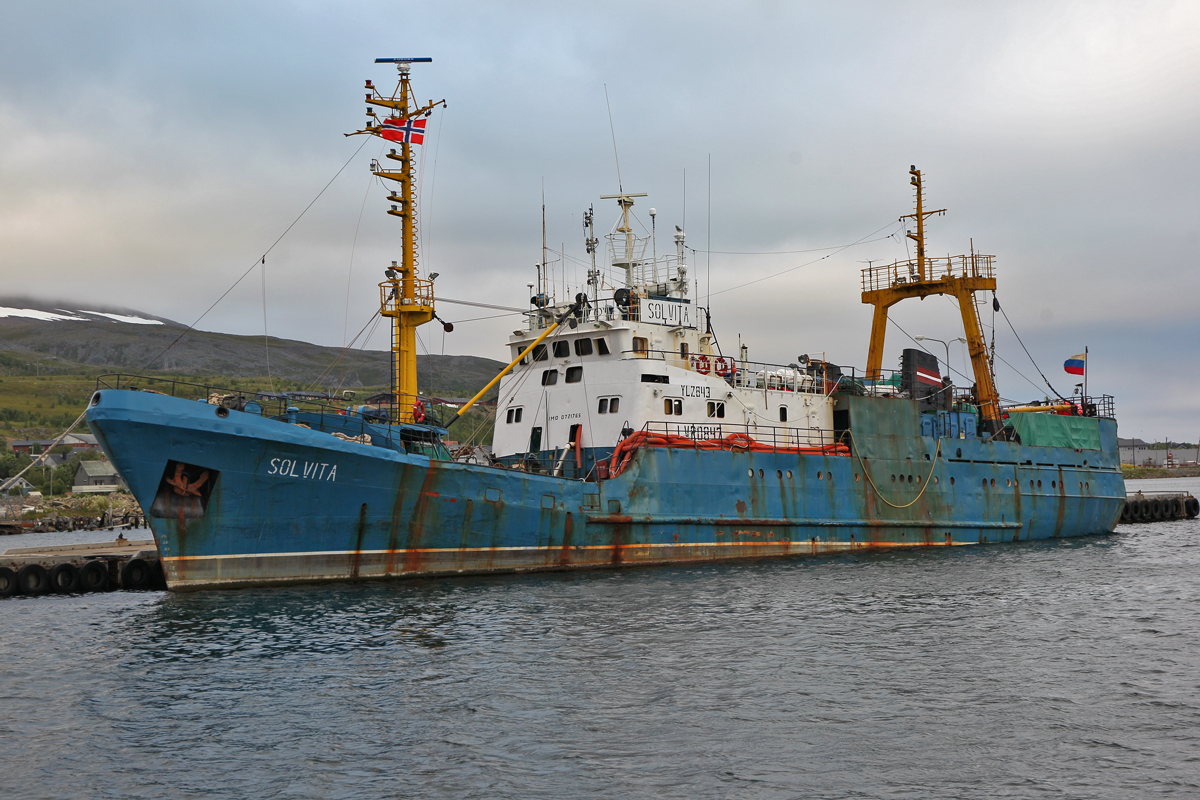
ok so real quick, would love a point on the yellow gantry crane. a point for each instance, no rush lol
(405, 298)
(957, 276)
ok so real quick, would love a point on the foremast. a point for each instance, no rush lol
(958, 276)
(404, 298)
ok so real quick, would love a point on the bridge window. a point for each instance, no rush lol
(562, 349)
(549, 377)
(716, 409)
(583, 347)
(601, 347)
(574, 374)
(539, 353)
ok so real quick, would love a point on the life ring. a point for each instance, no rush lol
(418, 411)
(702, 364)
(722, 366)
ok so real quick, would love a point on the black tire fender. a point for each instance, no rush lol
(93, 576)
(8, 582)
(135, 574)
(1193, 507)
(32, 579)
(64, 578)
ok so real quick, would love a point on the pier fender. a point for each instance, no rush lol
(136, 574)
(64, 578)
(8, 582)
(1176, 508)
(33, 579)
(1193, 507)
(93, 576)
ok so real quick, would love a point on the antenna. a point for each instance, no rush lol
(543, 223)
(620, 187)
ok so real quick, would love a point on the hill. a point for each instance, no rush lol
(47, 339)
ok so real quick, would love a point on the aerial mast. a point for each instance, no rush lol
(958, 276)
(405, 298)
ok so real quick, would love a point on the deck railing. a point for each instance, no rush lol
(901, 273)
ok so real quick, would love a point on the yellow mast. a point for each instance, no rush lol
(405, 298)
(958, 276)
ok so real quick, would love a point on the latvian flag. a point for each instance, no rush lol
(1076, 365)
(411, 131)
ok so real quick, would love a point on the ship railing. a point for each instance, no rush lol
(422, 296)
(814, 377)
(324, 411)
(900, 273)
(773, 437)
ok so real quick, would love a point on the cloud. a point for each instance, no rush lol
(153, 152)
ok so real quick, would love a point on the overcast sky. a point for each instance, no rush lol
(150, 152)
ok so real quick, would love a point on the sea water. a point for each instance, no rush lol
(1062, 669)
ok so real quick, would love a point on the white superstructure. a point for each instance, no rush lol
(643, 356)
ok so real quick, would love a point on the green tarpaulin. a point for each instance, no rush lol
(1055, 430)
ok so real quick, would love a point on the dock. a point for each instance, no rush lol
(128, 564)
(1159, 507)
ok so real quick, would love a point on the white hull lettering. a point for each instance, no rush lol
(309, 470)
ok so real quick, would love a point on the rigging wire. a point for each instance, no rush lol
(996, 304)
(861, 240)
(287, 230)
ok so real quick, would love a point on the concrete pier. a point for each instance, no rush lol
(94, 567)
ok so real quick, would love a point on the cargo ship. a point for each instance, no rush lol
(624, 435)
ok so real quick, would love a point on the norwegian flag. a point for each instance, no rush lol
(411, 131)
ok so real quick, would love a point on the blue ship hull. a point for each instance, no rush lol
(237, 499)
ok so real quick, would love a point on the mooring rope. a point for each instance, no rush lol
(870, 480)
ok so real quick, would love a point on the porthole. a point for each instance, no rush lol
(857, 478)
(1081, 485)
(820, 476)
(1008, 483)
(910, 478)
(958, 453)
(951, 480)
(893, 479)
(750, 473)
(779, 474)
(1085, 485)
(760, 473)
(993, 481)
(223, 412)
(1039, 484)
(985, 483)
(1031, 486)
(789, 474)
(918, 479)
(935, 479)
(1053, 484)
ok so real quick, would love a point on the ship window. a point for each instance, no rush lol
(641, 346)
(574, 374)
(549, 377)
(514, 415)
(509, 419)
(602, 347)
(783, 413)
(583, 347)
(672, 407)
(603, 407)
(716, 409)
(562, 349)
(678, 407)
(683, 350)
(517, 418)
(647, 378)
(667, 407)
(535, 440)
(613, 405)
(539, 353)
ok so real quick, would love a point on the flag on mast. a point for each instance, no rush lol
(1076, 365)
(412, 131)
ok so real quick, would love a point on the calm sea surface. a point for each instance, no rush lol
(1067, 669)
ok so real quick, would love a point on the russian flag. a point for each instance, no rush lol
(1076, 365)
